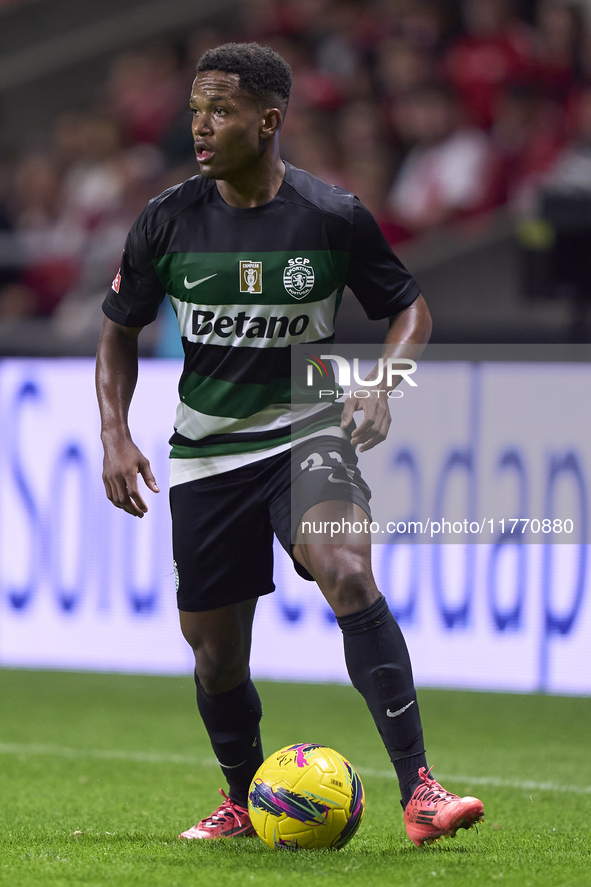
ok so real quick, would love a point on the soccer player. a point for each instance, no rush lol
(254, 255)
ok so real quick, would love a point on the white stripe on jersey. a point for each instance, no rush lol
(318, 318)
(183, 471)
(195, 425)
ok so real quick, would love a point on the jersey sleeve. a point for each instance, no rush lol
(377, 277)
(137, 291)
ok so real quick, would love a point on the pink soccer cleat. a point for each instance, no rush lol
(228, 821)
(433, 813)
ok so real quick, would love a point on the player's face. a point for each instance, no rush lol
(226, 126)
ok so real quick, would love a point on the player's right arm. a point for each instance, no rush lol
(116, 377)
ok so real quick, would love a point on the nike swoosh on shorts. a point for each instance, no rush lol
(338, 480)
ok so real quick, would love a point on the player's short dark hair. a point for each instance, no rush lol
(262, 72)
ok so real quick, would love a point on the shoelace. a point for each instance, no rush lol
(432, 791)
(226, 810)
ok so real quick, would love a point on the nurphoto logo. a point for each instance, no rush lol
(390, 370)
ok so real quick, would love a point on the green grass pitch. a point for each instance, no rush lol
(99, 773)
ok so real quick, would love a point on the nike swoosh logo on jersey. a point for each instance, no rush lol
(193, 283)
(394, 714)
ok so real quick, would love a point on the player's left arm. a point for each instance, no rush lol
(407, 336)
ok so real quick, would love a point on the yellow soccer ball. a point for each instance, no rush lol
(305, 797)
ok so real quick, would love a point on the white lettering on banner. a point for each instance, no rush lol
(82, 585)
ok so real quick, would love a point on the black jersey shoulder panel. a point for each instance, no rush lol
(306, 214)
(311, 190)
(176, 200)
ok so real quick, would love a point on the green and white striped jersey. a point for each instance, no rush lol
(245, 285)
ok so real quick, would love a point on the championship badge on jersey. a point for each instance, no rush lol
(298, 277)
(251, 277)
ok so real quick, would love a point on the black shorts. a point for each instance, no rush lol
(223, 526)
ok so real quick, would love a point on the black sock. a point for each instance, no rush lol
(232, 723)
(379, 667)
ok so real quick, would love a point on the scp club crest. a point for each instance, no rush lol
(298, 277)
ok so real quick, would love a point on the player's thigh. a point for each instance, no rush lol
(333, 543)
(222, 542)
(321, 481)
(323, 470)
(331, 517)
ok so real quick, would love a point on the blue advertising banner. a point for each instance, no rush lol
(83, 585)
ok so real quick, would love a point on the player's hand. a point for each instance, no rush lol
(376, 419)
(122, 464)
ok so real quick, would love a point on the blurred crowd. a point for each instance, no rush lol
(7, 5)
(431, 112)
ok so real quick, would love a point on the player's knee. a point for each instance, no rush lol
(221, 645)
(220, 668)
(348, 585)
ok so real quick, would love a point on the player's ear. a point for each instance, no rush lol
(271, 123)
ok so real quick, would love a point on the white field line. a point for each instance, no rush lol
(138, 757)
(496, 781)
(98, 754)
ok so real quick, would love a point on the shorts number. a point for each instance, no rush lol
(315, 462)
